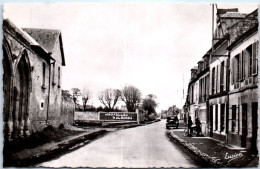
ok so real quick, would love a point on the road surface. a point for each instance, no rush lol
(140, 147)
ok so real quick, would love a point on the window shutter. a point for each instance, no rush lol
(243, 64)
(246, 58)
(217, 79)
(232, 71)
(240, 67)
(250, 61)
(225, 75)
(255, 57)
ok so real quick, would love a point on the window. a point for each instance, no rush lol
(203, 89)
(59, 77)
(207, 86)
(213, 80)
(216, 117)
(43, 74)
(53, 74)
(222, 76)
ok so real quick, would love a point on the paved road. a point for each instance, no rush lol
(140, 147)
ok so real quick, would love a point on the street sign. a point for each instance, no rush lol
(118, 116)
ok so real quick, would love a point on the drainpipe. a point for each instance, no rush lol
(227, 88)
(210, 59)
(49, 91)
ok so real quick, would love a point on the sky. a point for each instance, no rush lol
(151, 46)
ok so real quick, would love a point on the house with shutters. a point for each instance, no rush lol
(219, 70)
(243, 87)
(231, 96)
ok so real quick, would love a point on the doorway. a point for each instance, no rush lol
(254, 127)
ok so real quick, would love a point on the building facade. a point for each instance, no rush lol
(230, 99)
(32, 62)
(243, 94)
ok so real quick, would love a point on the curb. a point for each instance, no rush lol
(207, 158)
(62, 148)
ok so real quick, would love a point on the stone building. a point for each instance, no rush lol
(32, 62)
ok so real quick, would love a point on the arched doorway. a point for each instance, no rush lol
(20, 95)
(16, 86)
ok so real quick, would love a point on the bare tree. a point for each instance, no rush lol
(109, 98)
(131, 96)
(86, 95)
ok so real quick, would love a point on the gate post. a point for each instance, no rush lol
(137, 113)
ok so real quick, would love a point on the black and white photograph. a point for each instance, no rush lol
(130, 84)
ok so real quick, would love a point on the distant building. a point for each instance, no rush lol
(32, 62)
(163, 114)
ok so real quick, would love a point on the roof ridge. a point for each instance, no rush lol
(58, 30)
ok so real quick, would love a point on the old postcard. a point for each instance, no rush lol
(133, 85)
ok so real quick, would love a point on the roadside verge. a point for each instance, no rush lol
(51, 150)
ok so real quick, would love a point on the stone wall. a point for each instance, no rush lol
(67, 111)
(86, 115)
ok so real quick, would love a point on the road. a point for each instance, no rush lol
(140, 147)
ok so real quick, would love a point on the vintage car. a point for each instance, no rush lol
(172, 122)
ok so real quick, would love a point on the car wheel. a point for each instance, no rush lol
(177, 127)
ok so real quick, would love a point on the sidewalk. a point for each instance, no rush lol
(216, 153)
(41, 153)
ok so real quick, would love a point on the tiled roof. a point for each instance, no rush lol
(24, 37)
(45, 37)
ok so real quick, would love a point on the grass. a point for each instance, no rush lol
(49, 134)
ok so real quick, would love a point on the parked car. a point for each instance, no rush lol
(172, 122)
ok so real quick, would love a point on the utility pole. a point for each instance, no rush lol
(210, 116)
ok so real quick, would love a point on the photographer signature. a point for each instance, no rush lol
(233, 156)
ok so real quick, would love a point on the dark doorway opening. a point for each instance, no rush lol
(211, 121)
(254, 127)
(244, 125)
